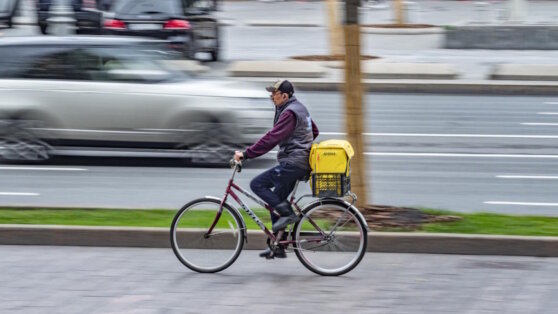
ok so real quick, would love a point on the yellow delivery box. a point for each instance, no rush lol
(331, 168)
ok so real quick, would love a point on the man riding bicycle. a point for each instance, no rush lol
(294, 131)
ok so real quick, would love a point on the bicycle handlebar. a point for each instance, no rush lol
(236, 165)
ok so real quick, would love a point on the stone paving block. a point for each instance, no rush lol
(388, 70)
(525, 72)
(306, 69)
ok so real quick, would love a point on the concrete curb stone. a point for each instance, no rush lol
(377, 241)
(301, 69)
(281, 24)
(525, 72)
(401, 31)
(392, 70)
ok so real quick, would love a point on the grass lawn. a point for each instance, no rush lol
(485, 223)
(103, 217)
(478, 223)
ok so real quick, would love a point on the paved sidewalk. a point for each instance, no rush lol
(131, 280)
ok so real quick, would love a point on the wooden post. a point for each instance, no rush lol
(398, 7)
(353, 101)
(335, 32)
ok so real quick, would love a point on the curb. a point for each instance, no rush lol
(387, 242)
(436, 30)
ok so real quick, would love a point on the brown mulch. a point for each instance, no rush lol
(398, 25)
(329, 58)
(381, 217)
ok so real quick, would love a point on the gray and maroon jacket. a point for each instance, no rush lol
(293, 130)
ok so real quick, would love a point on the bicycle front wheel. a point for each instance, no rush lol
(199, 249)
(331, 238)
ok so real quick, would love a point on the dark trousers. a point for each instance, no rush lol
(274, 185)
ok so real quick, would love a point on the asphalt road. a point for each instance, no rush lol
(130, 280)
(463, 153)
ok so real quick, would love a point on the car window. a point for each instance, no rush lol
(135, 63)
(16, 60)
(146, 7)
(127, 65)
(200, 4)
(58, 65)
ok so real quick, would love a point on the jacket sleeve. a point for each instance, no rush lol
(315, 130)
(281, 130)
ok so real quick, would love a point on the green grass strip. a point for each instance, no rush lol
(106, 217)
(477, 223)
(496, 224)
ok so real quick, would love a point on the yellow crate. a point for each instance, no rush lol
(331, 168)
(331, 156)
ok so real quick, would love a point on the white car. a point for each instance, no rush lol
(107, 96)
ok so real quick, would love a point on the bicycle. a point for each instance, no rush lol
(208, 234)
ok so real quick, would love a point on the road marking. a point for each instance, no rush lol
(551, 103)
(548, 113)
(449, 135)
(19, 194)
(527, 177)
(520, 203)
(539, 124)
(43, 168)
(460, 155)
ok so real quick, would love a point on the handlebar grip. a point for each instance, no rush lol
(237, 165)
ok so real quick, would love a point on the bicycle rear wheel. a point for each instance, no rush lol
(331, 238)
(198, 250)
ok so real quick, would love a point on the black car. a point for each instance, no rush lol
(186, 24)
(7, 11)
(87, 13)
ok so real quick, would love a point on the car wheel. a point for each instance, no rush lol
(19, 143)
(208, 144)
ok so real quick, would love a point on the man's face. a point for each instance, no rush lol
(278, 98)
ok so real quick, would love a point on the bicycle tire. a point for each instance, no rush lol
(347, 242)
(197, 251)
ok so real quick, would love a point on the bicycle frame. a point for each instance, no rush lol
(231, 187)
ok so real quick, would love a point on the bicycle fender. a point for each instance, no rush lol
(245, 230)
(359, 214)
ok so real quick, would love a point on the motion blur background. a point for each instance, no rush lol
(139, 104)
(187, 89)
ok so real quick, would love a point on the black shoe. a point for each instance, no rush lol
(282, 222)
(269, 254)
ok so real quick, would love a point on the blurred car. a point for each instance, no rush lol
(8, 9)
(187, 24)
(87, 13)
(107, 96)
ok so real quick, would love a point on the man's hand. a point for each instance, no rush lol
(238, 156)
